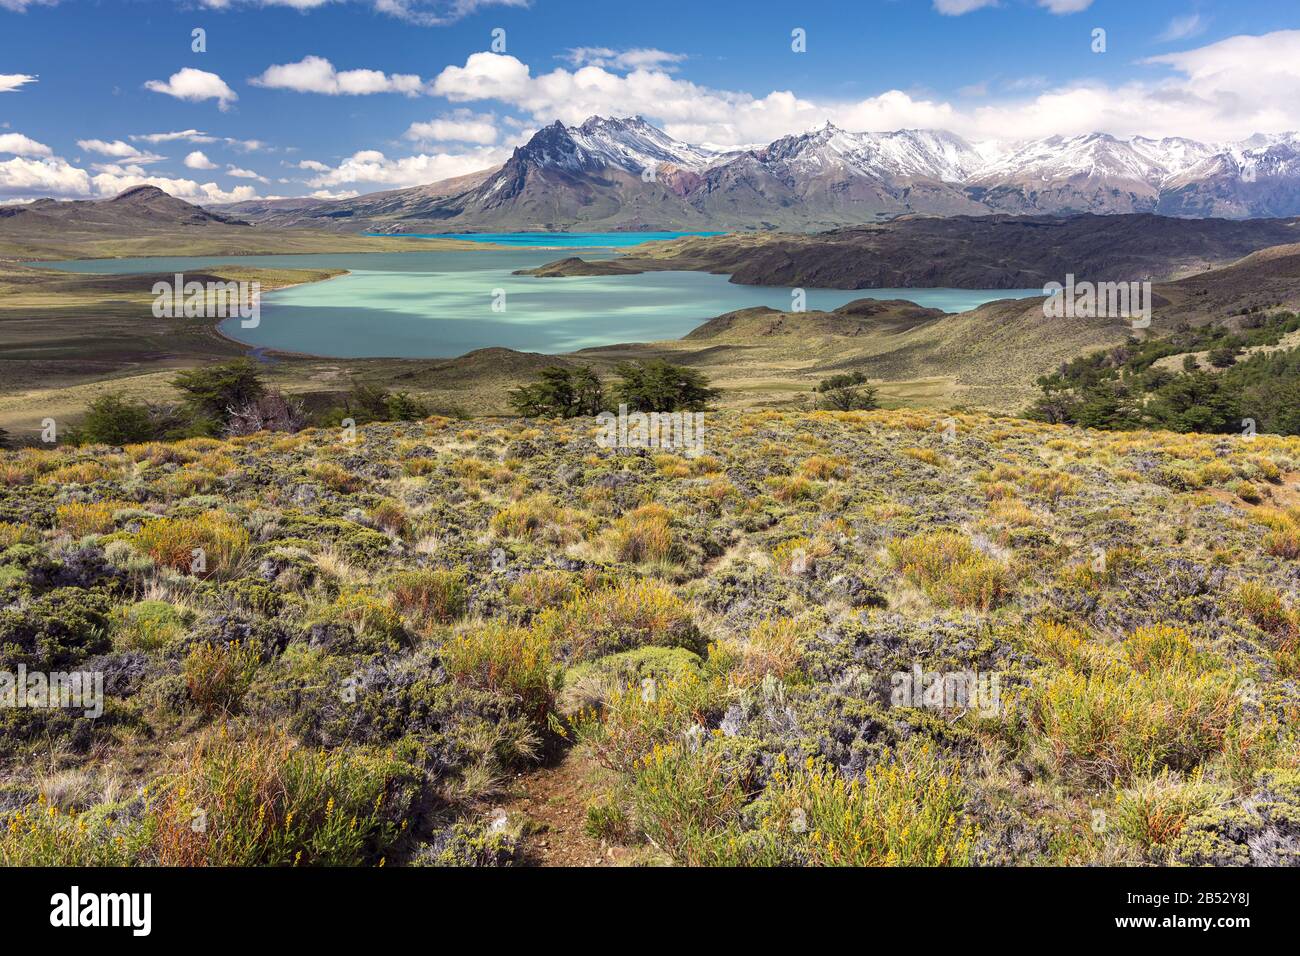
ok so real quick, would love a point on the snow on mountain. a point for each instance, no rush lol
(633, 144)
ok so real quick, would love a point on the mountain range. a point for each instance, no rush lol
(626, 174)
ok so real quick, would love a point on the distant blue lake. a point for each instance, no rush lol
(587, 240)
(439, 304)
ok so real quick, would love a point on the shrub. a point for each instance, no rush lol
(774, 647)
(1116, 722)
(538, 517)
(434, 597)
(219, 675)
(689, 802)
(640, 713)
(42, 835)
(266, 802)
(542, 589)
(94, 517)
(904, 811)
(11, 534)
(632, 614)
(55, 630)
(951, 570)
(645, 534)
(146, 625)
(504, 660)
(1153, 812)
(372, 620)
(112, 420)
(172, 543)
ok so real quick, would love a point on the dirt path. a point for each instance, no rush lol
(555, 799)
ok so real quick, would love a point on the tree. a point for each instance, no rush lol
(212, 393)
(1196, 402)
(1224, 357)
(112, 420)
(273, 412)
(657, 386)
(560, 392)
(370, 403)
(846, 393)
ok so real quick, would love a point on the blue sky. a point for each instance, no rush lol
(334, 97)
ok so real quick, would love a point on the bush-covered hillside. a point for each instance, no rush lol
(322, 652)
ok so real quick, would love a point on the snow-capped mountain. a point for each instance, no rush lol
(624, 173)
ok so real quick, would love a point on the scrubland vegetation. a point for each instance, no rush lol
(386, 638)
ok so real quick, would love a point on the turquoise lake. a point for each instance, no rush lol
(584, 240)
(440, 304)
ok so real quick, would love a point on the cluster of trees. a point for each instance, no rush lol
(230, 399)
(1121, 388)
(654, 386)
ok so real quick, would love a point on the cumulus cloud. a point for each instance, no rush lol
(315, 74)
(52, 176)
(313, 165)
(372, 167)
(119, 150)
(639, 58)
(239, 173)
(16, 144)
(12, 81)
(195, 86)
(461, 126)
(1226, 90)
(197, 160)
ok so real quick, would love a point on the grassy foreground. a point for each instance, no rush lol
(380, 636)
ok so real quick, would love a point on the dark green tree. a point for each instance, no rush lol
(113, 420)
(846, 393)
(211, 393)
(560, 392)
(657, 386)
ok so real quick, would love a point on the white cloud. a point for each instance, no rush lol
(195, 86)
(370, 166)
(244, 174)
(315, 74)
(110, 184)
(1062, 7)
(17, 144)
(246, 145)
(639, 58)
(1226, 90)
(955, 8)
(197, 160)
(313, 165)
(188, 135)
(461, 126)
(1182, 28)
(20, 6)
(52, 176)
(12, 81)
(342, 194)
(119, 150)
